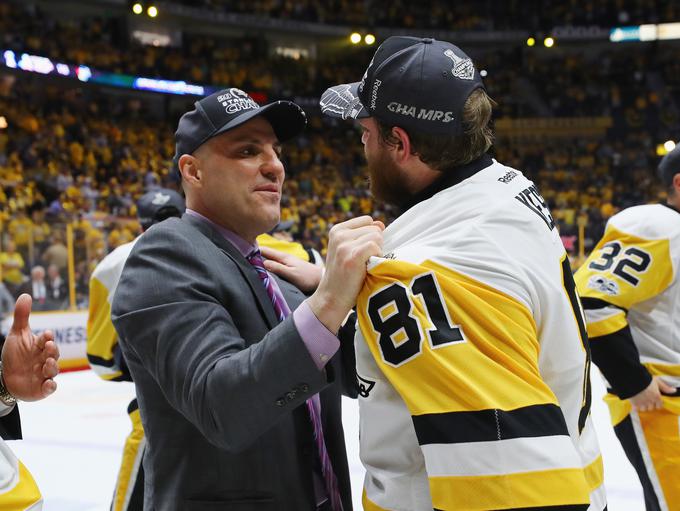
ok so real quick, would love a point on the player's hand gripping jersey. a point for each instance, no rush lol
(472, 358)
(629, 287)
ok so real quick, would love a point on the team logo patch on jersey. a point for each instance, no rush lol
(606, 286)
(462, 68)
(365, 386)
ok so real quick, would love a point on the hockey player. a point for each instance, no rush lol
(103, 352)
(472, 356)
(630, 296)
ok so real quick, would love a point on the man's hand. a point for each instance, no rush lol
(650, 398)
(305, 276)
(350, 244)
(29, 362)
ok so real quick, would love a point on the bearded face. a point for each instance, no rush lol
(388, 182)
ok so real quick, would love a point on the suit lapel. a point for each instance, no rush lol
(247, 272)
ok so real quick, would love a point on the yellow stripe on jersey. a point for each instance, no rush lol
(510, 491)
(500, 347)
(101, 335)
(606, 326)
(624, 269)
(130, 464)
(368, 505)
(663, 369)
(595, 474)
(24, 495)
(289, 247)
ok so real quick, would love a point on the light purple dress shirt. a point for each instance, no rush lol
(320, 342)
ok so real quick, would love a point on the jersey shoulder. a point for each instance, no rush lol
(649, 221)
(113, 263)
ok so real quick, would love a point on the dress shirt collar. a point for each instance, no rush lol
(241, 245)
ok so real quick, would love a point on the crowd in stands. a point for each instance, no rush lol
(78, 156)
(463, 15)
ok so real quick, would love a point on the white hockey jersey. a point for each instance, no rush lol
(102, 339)
(472, 359)
(633, 269)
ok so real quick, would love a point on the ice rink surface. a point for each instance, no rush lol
(72, 445)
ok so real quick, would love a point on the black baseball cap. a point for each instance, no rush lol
(669, 166)
(227, 109)
(157, 205)
(415, 83)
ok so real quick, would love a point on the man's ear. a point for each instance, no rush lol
(402, 149)
(189, 167)
(676, 184)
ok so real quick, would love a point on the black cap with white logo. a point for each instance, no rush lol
(157, 205)
(415, 83)
(669, 166)
(227, 109)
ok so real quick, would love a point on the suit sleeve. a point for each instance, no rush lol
(622, 271)
(171, 313)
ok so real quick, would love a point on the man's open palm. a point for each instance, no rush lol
(29, 361)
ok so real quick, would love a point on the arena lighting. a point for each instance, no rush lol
(355, 38)
(369, 39)
(3, 122)
(531, 41)
(137, 8)
(45, 66)
(483, 73)
(152, 11)
(648, 32)
(548, 42)
(665, 148)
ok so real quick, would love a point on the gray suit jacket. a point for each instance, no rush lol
(221, 383)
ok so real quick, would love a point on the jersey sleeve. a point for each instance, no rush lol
(463, 356)
(103, 352)
(622, 270)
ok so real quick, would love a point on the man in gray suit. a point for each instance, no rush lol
(239, 396)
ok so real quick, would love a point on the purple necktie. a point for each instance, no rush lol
(282, 312)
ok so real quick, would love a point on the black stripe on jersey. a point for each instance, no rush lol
(626, 433)
(618, 358)
(102, 362)
(133, 406)
(590, 303)
(99, 361)
(568, 507)
(490, 425)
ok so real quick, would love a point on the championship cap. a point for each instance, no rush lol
(227, 109)
(669, 166)
(157, 205)
(415, 83)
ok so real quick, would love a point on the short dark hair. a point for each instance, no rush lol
(443, 152)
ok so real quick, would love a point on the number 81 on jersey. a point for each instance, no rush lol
(399, 330)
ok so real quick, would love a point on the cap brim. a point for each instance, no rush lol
(342, 101)
(287, 119)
